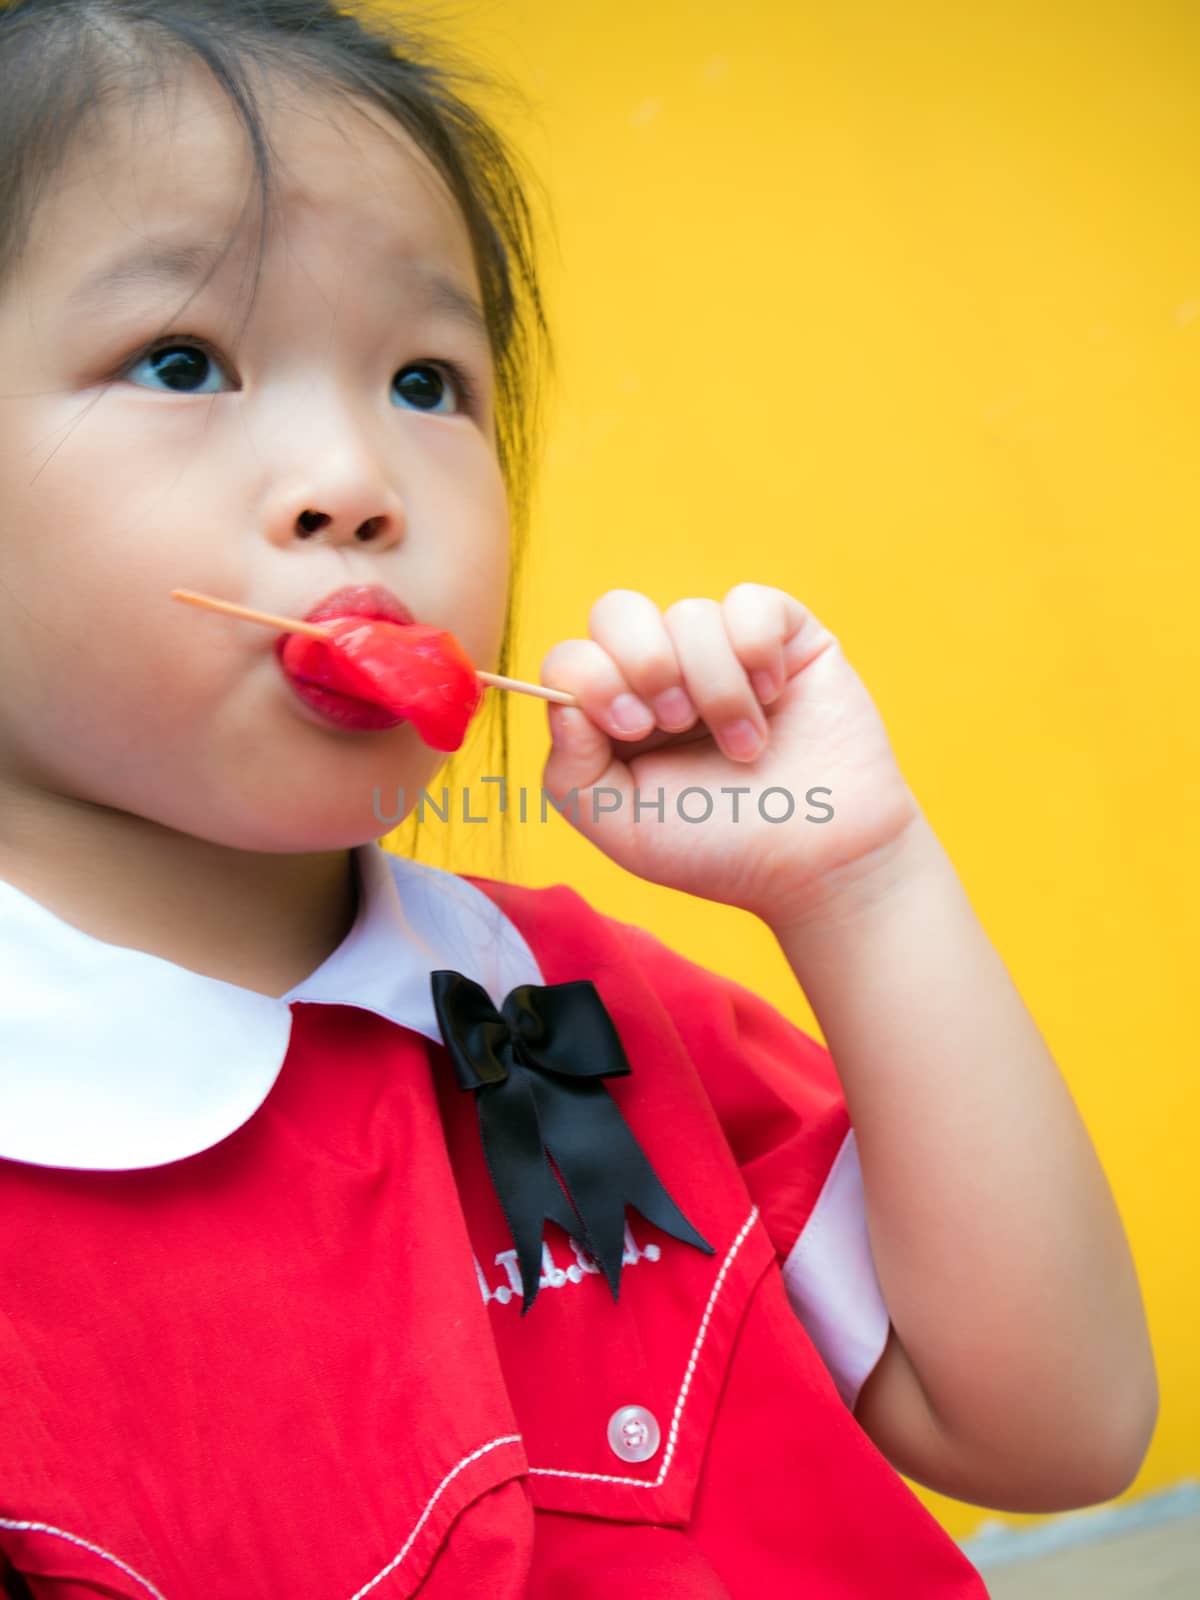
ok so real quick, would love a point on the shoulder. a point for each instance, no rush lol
(556, 917)
(720, 1021)
(549, 904)
(570, 938)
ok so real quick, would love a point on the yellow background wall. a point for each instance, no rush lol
(898, 307)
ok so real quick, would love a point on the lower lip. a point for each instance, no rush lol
(337, 710)
(342, 710)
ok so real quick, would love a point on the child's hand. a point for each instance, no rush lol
(823, 747)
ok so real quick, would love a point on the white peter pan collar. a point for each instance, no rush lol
(113, 1059)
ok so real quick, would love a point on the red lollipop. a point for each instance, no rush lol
(419, 672)
(415, 672)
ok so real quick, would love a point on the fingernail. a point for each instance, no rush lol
(630, 714)
(673, 708)
(765, 686)
(741, 739)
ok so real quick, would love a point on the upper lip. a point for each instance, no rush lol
(370, 600)
(360, 600)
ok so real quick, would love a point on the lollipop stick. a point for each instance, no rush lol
(559, 696)
(287, 624)
(292, 625)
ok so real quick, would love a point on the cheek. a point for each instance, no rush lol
(92, 649)
(495, 569)
(469, 540)
(94, 506)
(105, 506)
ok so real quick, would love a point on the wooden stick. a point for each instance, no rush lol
(559, 696)
(292, 625)
(288, 624)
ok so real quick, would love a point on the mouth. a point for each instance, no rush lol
(373, 603)
(367, 600)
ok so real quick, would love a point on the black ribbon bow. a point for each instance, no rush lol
(537, 1068)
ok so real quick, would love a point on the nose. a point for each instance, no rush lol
(342, 498)
(312, 524)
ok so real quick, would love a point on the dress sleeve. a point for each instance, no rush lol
(778, 1098)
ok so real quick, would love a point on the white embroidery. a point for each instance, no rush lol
(573, 1274)
(84, 1544)
(553, 1276)
(644, 1483)
(493, 1444)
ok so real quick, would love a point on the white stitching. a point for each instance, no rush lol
(72, 1538)
(509, 1438)
(656, 1483)
(42, 1527)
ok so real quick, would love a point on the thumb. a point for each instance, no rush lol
(581, 759)
(580, 752)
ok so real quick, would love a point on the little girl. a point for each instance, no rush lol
(375, 1229)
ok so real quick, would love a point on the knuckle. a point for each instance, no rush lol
(755, 650)
(566, 653)
(686, 612)
(746, 592)
(613, 600)
(651, 666)
(725, 705)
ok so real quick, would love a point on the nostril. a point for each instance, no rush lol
(369, 528)
(310, 521)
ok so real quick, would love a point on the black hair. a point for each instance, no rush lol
(63, 61)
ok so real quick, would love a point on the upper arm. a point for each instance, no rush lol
(893, 1411)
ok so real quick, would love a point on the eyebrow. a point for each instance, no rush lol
(441, 293)
(149, 263)
(185, 264)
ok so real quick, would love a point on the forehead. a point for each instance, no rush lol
(163, 171)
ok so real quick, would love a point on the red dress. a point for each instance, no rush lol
(292, 1364)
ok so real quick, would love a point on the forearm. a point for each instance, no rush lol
(998, 1245)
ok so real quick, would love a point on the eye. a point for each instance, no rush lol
(183, 367)
(437, 386)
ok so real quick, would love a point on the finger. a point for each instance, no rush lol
(755, 620)
(715, 679)
(804, 636)
(631, 628)
(660, 740)
(586, 670)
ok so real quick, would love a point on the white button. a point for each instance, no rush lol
(633, 1433)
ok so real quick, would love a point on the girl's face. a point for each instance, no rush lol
(131, 465)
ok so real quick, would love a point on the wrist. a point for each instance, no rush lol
(860, 893)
